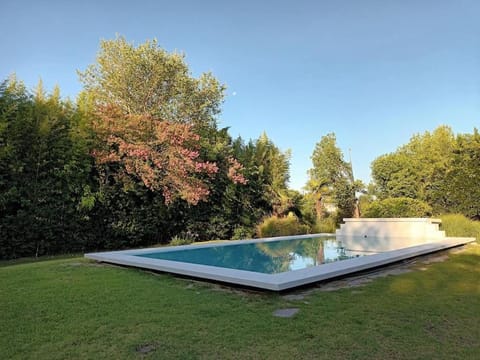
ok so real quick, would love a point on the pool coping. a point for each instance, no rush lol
(273, 282)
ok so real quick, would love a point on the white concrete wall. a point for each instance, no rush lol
(385, 234)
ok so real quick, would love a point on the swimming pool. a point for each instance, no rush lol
(268, 257)
(273, 263)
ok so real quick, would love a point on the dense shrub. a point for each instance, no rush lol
(242, 232)
(325, 225)
(178, 240)
(275, 226)
(459, 225)
(397, 207)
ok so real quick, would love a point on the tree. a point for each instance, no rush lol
(437, 168)
(42, 173)
(394, 176)
(154, 122)
(461, 181)
(148, 80)
(272, 167)
(162, 155)
(331, 179)
(416, 170)
(157, 142)
(234, 209)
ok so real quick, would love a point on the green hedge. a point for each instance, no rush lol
(397, 207)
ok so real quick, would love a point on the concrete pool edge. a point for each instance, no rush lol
(351, 266)
(273, 282)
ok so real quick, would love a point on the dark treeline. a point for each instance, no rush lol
(138, 159)
(46, 174)
(56, 196)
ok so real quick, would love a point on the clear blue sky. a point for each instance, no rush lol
(373, 71)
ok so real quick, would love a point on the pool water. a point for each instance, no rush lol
(270, 257)
(282, 263)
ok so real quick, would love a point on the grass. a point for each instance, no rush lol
(71, 308)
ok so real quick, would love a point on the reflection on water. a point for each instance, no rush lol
(265, 257)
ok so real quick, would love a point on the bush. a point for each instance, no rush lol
(325, 225)
(459, 225)
(184, 238)
(275, 226)
(178, 240)
(397, 207)
(242, 232)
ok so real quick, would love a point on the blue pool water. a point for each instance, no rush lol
(268, 257)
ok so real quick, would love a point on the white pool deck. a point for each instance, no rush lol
(424, 244)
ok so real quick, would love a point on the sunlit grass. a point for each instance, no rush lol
(74, 308)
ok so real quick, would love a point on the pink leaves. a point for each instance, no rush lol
(234, 171)
(207, 167)
(163, 156)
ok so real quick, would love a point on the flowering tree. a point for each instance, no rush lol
(163, 156)
(154, 121)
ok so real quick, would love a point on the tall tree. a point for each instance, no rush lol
(146, 79)
(417, 169)
(272, 167)
(331, 179)
(42, 177)
(461, 182)
(157, 142)
(155, 122)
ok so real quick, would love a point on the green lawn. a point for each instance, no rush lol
(72, 308)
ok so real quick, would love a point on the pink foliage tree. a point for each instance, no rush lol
(162, 155)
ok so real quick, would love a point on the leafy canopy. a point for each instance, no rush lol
(148, 80)
(149, 115)
(331, 179)
(438, 168)
(164, 156)
(417, 168)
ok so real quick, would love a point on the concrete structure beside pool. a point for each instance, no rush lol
(387, 240)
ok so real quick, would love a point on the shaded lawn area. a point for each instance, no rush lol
(77, 309)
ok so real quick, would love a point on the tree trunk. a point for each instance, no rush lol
(356, 210)
(319, 208)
